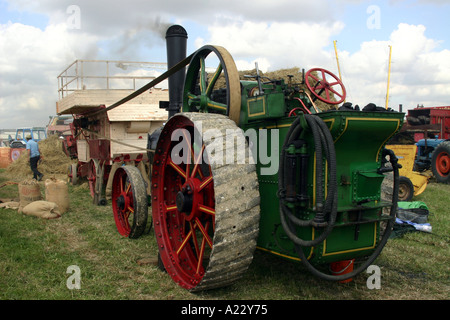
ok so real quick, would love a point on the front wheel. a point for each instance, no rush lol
(129, 202)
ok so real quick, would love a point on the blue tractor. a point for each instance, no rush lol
(19, 141)
(434, 154)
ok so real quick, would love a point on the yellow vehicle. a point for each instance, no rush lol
(411, 183)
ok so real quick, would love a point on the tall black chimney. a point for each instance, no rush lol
(176, 39)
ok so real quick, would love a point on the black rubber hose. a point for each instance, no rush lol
(322, 138)
(330, 152)
(332, 193)
(393, 159)
(293, 133)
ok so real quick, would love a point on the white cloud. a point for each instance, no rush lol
(30, 60)
(410, 41)
(419, 73)
(116, 16)
(277, 45)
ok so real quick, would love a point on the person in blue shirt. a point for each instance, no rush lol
(34, 154)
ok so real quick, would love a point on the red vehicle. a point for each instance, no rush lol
(428, 122)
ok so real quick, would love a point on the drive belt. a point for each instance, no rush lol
(148, 86)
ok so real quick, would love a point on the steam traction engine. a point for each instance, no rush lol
(254, 164)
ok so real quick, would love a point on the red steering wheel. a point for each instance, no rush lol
(318, 84)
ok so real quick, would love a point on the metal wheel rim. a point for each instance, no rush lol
(443, 163)
(196, 76)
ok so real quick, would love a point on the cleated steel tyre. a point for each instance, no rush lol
(205, 209)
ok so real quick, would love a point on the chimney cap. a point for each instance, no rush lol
(176, 31)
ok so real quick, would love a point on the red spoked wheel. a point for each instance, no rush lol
(320, 81)
(443, 163)
(440, 162)
(129, 202)
(201, 209)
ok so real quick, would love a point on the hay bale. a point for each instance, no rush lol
(55, 161)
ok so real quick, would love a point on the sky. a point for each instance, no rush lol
(39, 39)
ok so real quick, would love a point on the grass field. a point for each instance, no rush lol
(35, 255)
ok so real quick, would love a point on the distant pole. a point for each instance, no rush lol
(389, 77)
(337, 60)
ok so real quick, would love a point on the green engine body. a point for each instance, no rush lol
(359, 138)
(319, 173)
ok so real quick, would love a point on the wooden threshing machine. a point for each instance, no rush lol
(102, 140)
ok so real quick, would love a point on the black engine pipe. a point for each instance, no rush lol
(176, 40)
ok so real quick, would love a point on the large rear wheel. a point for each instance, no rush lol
(205, 210)
(440, 162)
